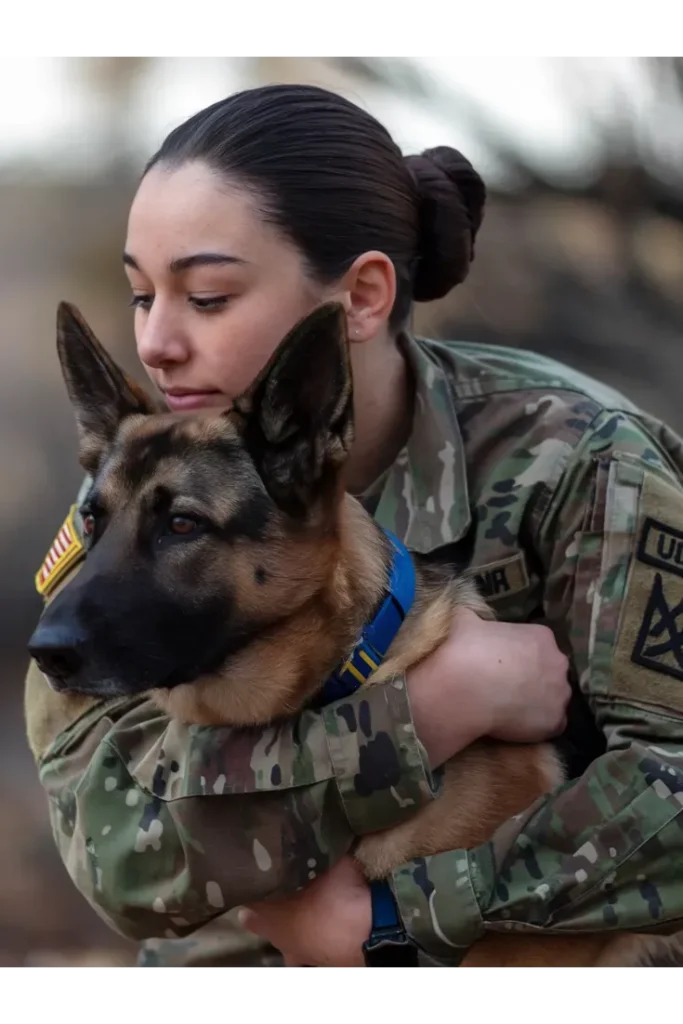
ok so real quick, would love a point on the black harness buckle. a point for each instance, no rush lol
(390, 947)
(388, 944)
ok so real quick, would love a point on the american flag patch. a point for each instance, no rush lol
(66, 548)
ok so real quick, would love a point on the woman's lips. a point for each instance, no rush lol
(184, 401)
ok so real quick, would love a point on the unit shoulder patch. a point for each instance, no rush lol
(648, 662)
(66, 550)
(659, 644)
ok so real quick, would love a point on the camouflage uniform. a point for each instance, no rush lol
(567, 502)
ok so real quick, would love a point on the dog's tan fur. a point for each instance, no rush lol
(306, 587)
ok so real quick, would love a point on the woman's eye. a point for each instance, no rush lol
(141, 301)
(210, 302)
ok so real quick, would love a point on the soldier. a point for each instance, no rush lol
(557, 492)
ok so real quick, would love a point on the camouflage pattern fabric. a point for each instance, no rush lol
(566, 502)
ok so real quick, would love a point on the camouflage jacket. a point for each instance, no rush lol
(567, 502)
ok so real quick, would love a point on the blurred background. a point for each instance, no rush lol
(580, 257)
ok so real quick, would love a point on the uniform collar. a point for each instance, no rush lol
(424, 497)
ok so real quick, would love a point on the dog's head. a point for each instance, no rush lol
(201, 531)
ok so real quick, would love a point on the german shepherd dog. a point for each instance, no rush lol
(228, 572)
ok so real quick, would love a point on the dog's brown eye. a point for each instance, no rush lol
(89, 524)
(181, 525)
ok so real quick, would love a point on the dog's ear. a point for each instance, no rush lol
(298, 414)
(101, 393)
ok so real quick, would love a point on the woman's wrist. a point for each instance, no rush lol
(445, 723)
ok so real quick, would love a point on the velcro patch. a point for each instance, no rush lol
(66, 549)
(501, 578)
(648, 658)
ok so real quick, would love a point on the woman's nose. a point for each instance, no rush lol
(160, 343)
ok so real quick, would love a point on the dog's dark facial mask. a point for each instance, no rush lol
(203, 531)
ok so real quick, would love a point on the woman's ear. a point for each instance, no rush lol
(368, 293)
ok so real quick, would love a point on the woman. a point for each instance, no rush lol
(564, 498)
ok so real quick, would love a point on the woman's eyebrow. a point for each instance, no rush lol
(199, 259)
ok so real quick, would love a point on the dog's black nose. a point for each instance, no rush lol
(57, 651)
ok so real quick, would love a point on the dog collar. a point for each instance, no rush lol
(376, 638)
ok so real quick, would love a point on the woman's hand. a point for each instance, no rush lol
(324, 925)
(499, 679)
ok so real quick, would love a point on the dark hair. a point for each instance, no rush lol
(332, 178)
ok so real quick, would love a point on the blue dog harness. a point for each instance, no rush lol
(388, 944)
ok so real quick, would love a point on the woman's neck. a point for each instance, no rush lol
(383, 409)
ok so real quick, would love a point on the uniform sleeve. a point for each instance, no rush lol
(163, 827)
(604, 851)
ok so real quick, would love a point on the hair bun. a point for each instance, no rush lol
(452, 197)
